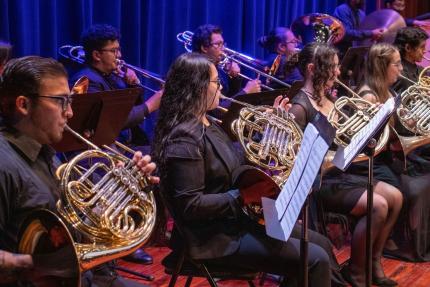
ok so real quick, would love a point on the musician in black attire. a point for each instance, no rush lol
(282, 45)
(412, 229)
(102, 52)
(35, 104)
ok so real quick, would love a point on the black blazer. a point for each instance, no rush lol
(201, 163)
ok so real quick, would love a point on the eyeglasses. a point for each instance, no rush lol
(219, 44)
(218, 83)
(397, 65)
(296, 42)
(115, 51)
(64, 101)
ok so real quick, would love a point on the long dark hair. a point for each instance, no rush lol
(184, 98)
(321, 55)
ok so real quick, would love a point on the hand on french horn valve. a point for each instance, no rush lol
(146, 167)
(281, 102)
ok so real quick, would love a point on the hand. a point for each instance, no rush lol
(281, 102)
(10, 263)
(378, 33)
(253, 86)
(131, 78)
(421, 24)
(153, 103)
(233, 69)
(146, 166)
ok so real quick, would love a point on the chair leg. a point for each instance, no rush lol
(189, 280)
(178, 268)
(205, 271)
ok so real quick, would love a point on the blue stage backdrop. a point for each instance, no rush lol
(148, 27)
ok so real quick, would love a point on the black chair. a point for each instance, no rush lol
(181, 264)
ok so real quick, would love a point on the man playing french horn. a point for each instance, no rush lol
(35, 107)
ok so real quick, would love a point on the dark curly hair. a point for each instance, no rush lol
(23, 76)
(183, 99)
(202, 36)
(96, 37)
(413, 36)
(321, 55)
(271, 41)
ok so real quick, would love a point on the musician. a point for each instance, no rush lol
(411, 232)
(102, 52)
(400, 6)
(351, 15)
(282, 43)
(35, 103)
(198, 164)
(340, 192)
(208, 40)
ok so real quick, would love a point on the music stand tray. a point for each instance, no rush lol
(100, 115)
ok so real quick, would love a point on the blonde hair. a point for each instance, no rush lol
(378, 61)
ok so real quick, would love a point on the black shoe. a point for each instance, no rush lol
(347, 276)
(139, 256)
(383, 281)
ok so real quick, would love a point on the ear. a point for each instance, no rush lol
(281, 47)
(408, 47)
(95, 56)
(310, 68)
(22, 105)
(203, 49)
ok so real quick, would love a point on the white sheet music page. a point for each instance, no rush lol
(345, 155)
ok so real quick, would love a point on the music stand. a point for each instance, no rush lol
(352, 66)
(256, 99)
(100, 117)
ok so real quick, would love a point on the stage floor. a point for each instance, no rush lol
(406, 274)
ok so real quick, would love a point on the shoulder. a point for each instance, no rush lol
(342, 9)
(186, 140)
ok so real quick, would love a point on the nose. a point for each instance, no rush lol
(68, 113)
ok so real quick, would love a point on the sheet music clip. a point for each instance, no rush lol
(281, 214)
(99, 117)
(345, 155)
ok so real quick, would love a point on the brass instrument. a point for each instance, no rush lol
(109, 209)
(77, 54)
(230, 55)
(348, 125)
(414, 113)
(271, 139)
(318, 27)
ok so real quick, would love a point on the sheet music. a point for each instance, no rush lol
(345, 155)
(281, 215)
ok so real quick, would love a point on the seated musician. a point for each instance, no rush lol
(281, 44)
(351, 15)
(198, 164)
(102, 52)
(208, 40)
(35, 104)
(341, 192)
(400, 6)
(411, 234)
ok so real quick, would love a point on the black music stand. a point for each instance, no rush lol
(352, 66)
(100, 117)
(255, 99)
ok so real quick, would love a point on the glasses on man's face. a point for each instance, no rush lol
(114, 51)
(64, 100)
(219, 44)
(218, 83)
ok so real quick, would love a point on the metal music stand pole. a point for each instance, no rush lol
(370, 152)
(304, 244)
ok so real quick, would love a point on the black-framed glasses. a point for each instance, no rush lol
(218, 83)
(219, 44)
(64, 100)
(115, 51)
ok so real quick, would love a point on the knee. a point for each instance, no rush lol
(318, 258)
(380, 208)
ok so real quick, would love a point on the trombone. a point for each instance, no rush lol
(230, 55)
(77, 54)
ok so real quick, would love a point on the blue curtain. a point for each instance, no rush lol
(148, 27)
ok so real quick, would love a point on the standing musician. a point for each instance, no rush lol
(282, 44)
(412, 232)
(351, 15)
(341, 192)
(207, 39)
(102, 52)
(35, 105)
(199, 164)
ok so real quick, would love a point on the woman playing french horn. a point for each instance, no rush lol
(340, 192)
(198, 166)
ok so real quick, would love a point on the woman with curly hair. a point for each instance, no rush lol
(345, 192)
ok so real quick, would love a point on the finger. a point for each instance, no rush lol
(144, 161)
(148, 168)
(277, 101)
(137, 156)
(154, 179)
